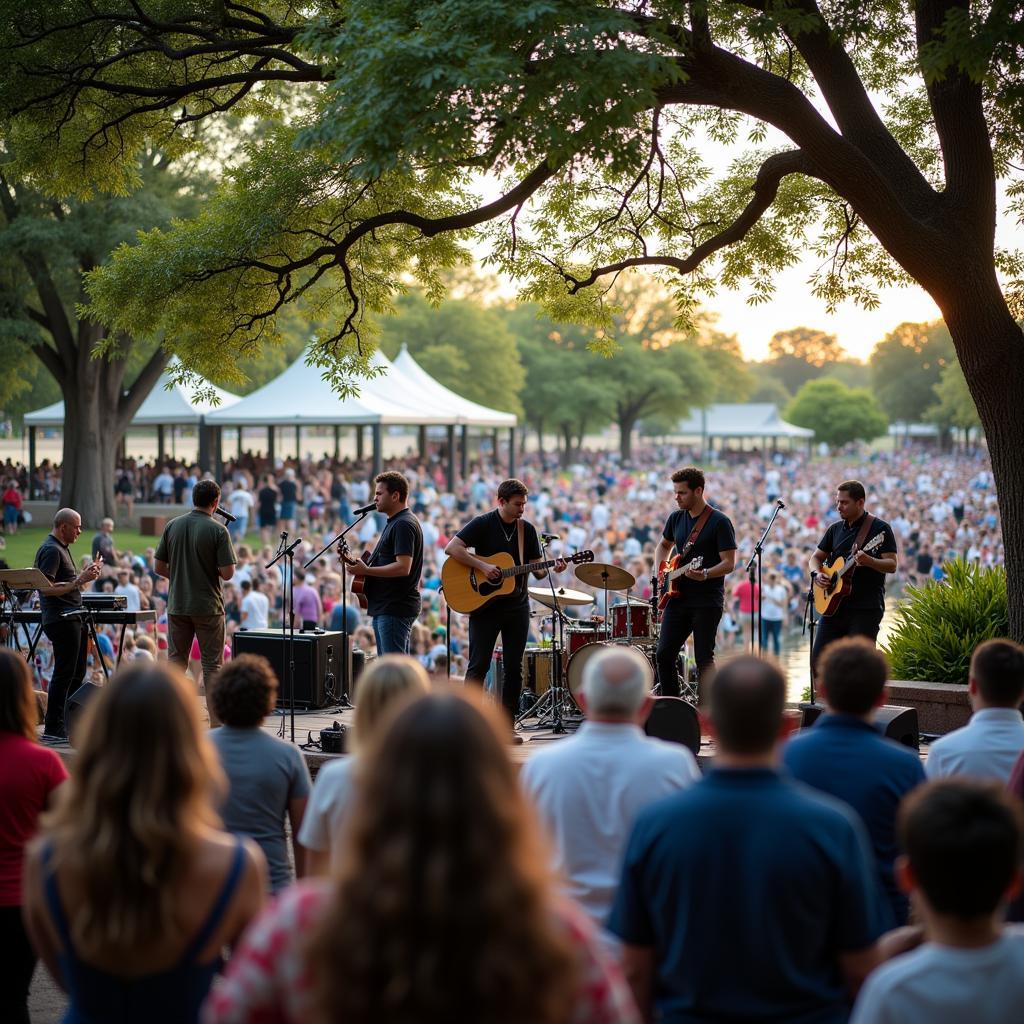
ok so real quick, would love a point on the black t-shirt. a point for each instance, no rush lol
(54, 560)
(397, 595)
(924, 563)
(868, 585)
(267, 499)
(489, 534)
(289, 490)
(103, 545)
(716, 536)
(180, 483)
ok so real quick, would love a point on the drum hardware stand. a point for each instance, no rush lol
(755, 596)
(557, 697)
(344, 700)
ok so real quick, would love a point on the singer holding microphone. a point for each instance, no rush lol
(67, 635)
(195, 554)
(501, 529)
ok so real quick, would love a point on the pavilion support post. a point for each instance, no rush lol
(241, 431)
(174, 443)
(337, 442)
(511, 451)
(378, 454)
(31, 463)
(464, 453)
(360, 453)
(270, 446)
(218, 452)
(423, 442)
(298, 442)
(160, 444)
(451, 458)
(204, 445)
(494, 446)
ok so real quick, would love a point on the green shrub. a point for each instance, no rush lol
(940, 624)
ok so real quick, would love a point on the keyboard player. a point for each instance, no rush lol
(67, 635)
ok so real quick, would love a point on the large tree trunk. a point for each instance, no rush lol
(626, 426)
(91, 441)
(990, 347)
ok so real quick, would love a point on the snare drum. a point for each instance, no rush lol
(538, 669)
(578, 662)
(577, 637)
(640, 614)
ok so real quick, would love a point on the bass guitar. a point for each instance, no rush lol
(669, 572)
(828, 599)
(467, 590)
(358, 587)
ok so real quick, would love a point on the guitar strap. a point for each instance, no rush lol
(520, 530)
(862, 533)
(695, 532)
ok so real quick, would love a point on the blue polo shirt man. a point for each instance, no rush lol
(748, 897)
(846, 756)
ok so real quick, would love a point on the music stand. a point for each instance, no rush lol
(20, 579)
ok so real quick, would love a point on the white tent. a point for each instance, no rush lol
(741, 420)
(469, 413)
(301, 397)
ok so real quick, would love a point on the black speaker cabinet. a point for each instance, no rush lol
(675, 720)
(74, 707)
(897, 723)
(319, 663)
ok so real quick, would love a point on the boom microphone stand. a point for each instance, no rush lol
(755, 560)
(286, 550)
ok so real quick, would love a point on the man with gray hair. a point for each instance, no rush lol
(590, 788)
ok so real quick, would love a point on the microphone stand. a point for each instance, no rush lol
(346, 662)
(809, 619)
(287, 551)
(755, 561)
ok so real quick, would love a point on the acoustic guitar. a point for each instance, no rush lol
(828, 599)
(669, 572)
(358, 588)
(467, 590)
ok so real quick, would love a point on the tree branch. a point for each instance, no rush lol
(48, 357)
(765, 189)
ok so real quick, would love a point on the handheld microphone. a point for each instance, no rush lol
(228, 517)
(549, 537)
(366, 508)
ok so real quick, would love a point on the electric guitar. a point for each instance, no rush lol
(669, 572)
(467, 590)
(828, 599)
(358, 587)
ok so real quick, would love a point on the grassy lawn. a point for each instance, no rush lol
(21, 549)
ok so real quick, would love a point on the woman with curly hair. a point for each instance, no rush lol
(384, 684)
(441, 912)
(29, 774)
(133, 889)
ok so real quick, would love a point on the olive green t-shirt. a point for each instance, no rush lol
(195, 546)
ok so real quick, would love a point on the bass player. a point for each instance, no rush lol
(694, 530)
(503, 529)
(860, 612)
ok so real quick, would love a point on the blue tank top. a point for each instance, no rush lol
(173, 996)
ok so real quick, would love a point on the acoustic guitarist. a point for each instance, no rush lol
(507, 616)
(392, 572)
(860, 612)
(696, 531)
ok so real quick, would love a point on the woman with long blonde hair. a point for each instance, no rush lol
(442, 910)
(133, 889)
(385, 683)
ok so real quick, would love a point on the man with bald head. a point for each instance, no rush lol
(589, 788)
(67, 635)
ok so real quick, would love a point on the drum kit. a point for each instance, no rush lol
(549, 694)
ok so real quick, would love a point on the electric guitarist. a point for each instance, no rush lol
(503, 529)
(695, 531)
(860, 612)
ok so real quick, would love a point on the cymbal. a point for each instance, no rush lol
(605, 576)
(565, 596)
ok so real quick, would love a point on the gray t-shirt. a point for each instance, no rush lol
(942, 985)
(330, 805)
(265, 774)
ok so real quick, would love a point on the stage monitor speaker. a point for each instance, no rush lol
(318, 663)
(675, 720)
(74, 706)
(897, 723)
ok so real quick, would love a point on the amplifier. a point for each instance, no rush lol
(895, 722)
(318, 663)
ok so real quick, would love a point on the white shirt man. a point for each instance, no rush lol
(255, 607)
(240, 502)
(989, 745)
(589, 789)
(128, 590)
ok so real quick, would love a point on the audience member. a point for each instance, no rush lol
(29, 773)
(267, 777)
(590, 788)
(963, 842)
(747, 897)
(989, 745)
(134, 888)
(255, 606)
(845, 755)
(383, 686)
(442, 909)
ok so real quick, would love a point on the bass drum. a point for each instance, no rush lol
(578, 662)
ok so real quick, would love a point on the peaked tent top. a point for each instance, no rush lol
(469, 413)
(741, 419)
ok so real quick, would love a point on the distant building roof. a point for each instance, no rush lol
(740, 419)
